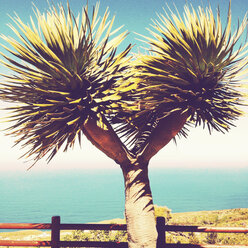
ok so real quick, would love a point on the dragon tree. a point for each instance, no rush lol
(68, 80)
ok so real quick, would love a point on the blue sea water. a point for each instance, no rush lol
(95, 195)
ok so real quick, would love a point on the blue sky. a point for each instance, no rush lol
(200, 149)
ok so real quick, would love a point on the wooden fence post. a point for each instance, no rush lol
(55, 232)
(161, 232)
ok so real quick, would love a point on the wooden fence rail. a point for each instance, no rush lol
(55, 226)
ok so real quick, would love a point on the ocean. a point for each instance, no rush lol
(83, 196)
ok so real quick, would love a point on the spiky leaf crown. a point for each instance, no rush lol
(62, 79)
(192, 67)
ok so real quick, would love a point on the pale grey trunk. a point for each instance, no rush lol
(139, 209)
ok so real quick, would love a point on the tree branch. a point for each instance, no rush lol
(167, 129)
(107, 141)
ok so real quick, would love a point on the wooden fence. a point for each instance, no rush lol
(55, 226)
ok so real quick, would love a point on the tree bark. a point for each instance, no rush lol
(106, 140)
(166, 130)
(139, 209)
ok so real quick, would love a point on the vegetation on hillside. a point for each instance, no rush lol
(223, 218)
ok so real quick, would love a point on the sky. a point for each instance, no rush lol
(199, 150)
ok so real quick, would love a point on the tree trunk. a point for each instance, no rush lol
(139, 209)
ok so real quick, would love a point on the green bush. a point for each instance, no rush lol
(212, 238)
(163, 212)
(97, 235)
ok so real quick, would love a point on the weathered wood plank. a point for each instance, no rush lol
(25, 226)
(24, 243)
(205, 229)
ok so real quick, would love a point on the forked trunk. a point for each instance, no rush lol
(139, 209)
